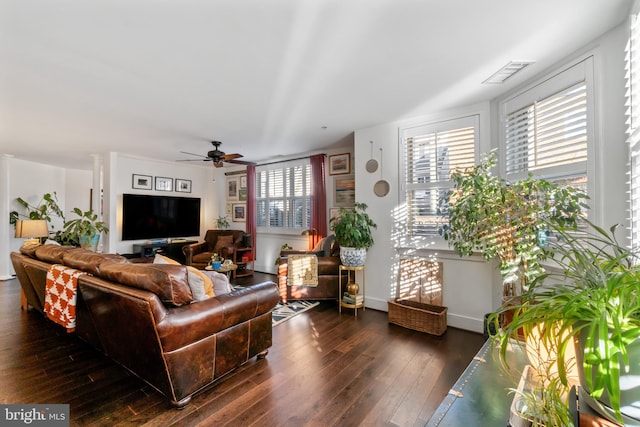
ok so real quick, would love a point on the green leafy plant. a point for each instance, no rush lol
(353, 227)
(591, 294)
(507, 221)
(46, 209)
(85, 226)
(222, 222)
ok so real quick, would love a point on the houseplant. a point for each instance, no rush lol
(353, 231)
(46, 209)
(222, 222)
(588, 297)
(507, 221)
(84, 230)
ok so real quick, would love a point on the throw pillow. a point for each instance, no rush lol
(220, 281)
(222, 242)
(161, 259)
(201, 286)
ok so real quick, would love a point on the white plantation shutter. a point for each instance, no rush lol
(547, 128)
(283, 195)
(633, 113)
(548, 133)
(431, 153)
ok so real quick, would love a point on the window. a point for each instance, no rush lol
(547, 128)
(431, 153)
(633, 111)
(283, 196)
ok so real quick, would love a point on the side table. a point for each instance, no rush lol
(224, 268)
(341, 303)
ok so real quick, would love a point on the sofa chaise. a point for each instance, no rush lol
(144, 317)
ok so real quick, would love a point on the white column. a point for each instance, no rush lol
(6, 272)
(96, 193)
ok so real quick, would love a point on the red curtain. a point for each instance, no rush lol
(318, 200)
(251, 207)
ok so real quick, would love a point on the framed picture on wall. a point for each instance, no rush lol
(232, 188)
(239, 212)
(345, 191)
(340, 164)
(164, 184)
(183, 185)
(142, 182)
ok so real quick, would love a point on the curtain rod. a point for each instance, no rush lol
(289, 160)
(273, 163)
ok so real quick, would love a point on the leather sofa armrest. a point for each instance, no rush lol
(195, 248)
(194, 322)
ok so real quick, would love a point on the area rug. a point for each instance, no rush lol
(283, 312)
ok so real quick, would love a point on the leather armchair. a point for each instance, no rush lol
(327, 252)
(199, 254)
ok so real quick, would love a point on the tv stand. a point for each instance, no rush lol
(172, 250)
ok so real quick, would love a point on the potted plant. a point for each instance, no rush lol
(46, 209)
(352, 228)
(84, 230)
(588, 300)
(507, 221)
(222, 222)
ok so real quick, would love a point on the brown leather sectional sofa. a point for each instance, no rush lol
(143, 317)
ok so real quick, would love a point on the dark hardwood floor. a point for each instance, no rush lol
(324, 369)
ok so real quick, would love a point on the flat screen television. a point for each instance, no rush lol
(159, 217)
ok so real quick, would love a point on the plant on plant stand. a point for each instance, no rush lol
(507, 221)
(353, 231)
(592, 299)
(85, 230)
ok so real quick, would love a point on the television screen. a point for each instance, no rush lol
(159, 217)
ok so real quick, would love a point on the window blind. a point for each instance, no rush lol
(548, 133)
(283, 195)
(430, 154)
(633, 130)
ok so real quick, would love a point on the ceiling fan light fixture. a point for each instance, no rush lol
(507, 71)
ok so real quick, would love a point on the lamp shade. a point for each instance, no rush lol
(31, 228)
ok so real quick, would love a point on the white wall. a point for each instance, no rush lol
(471, 286)
(31, 181)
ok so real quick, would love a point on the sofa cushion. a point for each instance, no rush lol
(168, 282)
(200, 284)
(89, 261)
(52, 253)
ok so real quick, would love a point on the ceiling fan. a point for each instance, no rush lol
(218, 157)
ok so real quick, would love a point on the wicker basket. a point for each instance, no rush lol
(418, 316)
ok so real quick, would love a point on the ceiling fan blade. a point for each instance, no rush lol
(193, 154)
(193, 160)
(241, 162)
(233, 156)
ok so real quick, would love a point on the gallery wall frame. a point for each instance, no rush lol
(183, 185)
(164, 184)
(232, 189)
(345, 191)
(239, 212)
(142, 182)
(340, 164)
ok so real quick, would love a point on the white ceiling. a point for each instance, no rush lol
(155, 77)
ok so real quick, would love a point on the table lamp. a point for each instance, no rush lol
(31, 230)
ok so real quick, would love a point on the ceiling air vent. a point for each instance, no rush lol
(507, 71)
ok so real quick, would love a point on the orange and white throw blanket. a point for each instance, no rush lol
(60, 295)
